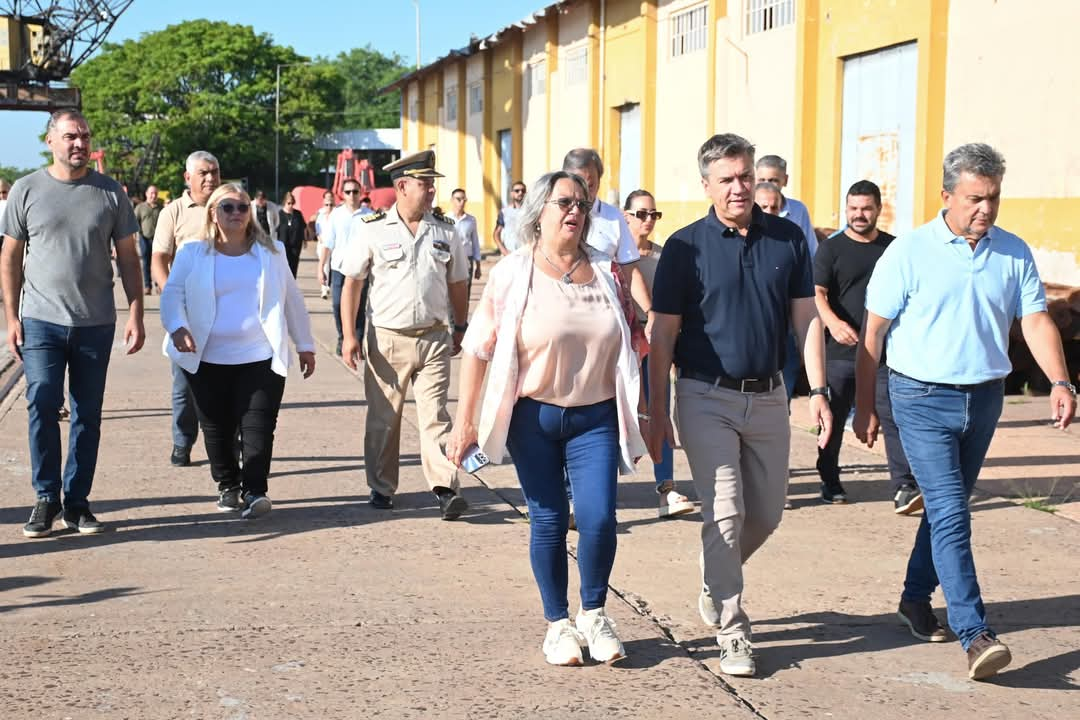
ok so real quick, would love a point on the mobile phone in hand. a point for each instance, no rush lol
(473, 459)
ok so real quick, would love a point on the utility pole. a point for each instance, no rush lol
(417, 4)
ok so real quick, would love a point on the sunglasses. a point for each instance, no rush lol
(351, 192)
(566, 203)
(518, 191)
(229, 208)
(646, 214)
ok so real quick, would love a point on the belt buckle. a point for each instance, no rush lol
(742, 384)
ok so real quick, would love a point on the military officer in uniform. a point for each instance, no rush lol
(418, 273)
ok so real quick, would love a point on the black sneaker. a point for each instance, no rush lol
(255, 505)
(230, 500)
(380, 501)
(41, 519)
(833, 494)
(921, 620)
(81, 519)
(450, 503)
(908, 500)
(181, 456)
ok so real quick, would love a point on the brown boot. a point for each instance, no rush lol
(987, 655)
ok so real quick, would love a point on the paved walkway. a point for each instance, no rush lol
(329, 609)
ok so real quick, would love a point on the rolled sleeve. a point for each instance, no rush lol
(886, 294)
(1032, 295)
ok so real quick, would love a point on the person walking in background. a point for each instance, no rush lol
(768, 197)
(267, 214)
(641, 217)
(291, 231)
(506, 223)
(465, 225)
(944, 296)
(842, 269)
(229, 308)
(563, 391)
(180, 222)
(147, 214)
(319, 226)
(60, 226)
(335, 241)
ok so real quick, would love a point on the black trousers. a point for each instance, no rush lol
(840, 375)
(243, 397)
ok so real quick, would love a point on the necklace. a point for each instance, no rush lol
(565, 275)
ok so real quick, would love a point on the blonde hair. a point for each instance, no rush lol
(253, 234)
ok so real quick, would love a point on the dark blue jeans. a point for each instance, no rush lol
(337, 282)
(549, 443)
(946, 432)
(146, 250)
(185, 421)
(48, 350)
(665, 469)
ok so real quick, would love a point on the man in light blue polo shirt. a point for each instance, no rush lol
(945, 295)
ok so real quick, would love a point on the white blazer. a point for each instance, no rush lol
(189, 301)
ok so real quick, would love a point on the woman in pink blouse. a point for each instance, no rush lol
(562, 394)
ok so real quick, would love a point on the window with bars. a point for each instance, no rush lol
(536, 79)
(414, 110)
(764, 15)
(451, 104)
(577, 66)
(689, 31)
(476, 98)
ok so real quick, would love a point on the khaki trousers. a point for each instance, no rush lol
(396, 360)
(737, 445)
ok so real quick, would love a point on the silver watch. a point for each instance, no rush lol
(1065, 384)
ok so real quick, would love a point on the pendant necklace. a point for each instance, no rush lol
(565, 275)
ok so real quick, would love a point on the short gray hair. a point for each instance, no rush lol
(581, 158)
(978, 159)
(720, 147)
(200, 156)
(773, 161)
(528, 230)
(64, 114)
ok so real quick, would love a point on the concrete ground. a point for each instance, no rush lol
(327, 608)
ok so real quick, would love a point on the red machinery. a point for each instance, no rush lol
(352, 167)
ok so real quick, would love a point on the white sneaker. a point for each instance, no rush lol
(324, 292)
(562, 644)
(673, 502)
(736, 657)
(705, 605)
(599, 632)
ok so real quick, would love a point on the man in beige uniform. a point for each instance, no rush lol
(182, 220)
(418, 270)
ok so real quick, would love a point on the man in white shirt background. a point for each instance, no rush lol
(335, 241)
(465, 225)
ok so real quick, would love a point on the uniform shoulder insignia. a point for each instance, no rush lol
(442, 218)
(372, 217)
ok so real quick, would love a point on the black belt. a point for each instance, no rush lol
(746, 385)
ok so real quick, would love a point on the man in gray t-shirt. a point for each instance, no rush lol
(60, 226)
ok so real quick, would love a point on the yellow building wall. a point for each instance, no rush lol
(572, 105)
(1024, 103)
(827, 32)
(534, 126)
(473, 140)
(624, 72)
(447, 155)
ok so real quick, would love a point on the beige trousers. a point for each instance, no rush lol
(737, 445)
(396, 360)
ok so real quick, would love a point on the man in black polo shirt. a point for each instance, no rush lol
(842, 269)
(726, 289)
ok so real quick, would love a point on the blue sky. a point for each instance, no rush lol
(315, 27)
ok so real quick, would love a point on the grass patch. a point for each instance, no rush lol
(1041, 504)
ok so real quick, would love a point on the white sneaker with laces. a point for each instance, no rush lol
(673, 502)
(599, 633)
(562, 644)
(736, 657)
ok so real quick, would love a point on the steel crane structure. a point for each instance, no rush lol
(41, 42)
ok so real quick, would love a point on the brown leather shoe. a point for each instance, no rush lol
(921, 620)
(987, 655)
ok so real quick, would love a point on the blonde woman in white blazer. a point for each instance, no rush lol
(230, 307)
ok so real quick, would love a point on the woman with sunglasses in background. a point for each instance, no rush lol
(563, 392)
(229, 307)
(641, 215)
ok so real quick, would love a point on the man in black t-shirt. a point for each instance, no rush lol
(842, 269)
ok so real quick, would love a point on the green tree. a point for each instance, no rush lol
(366, 71)
(11, 173)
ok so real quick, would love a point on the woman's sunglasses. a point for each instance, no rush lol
(230, 208)
(646, 214)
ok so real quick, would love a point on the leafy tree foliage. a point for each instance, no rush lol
(11, 173)
(205, 85)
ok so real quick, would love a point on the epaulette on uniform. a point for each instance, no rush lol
(372, 217)
(443, 218)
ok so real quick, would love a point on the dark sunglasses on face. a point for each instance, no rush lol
(352, 192)
(566, 203)
(646, 214)
(518, 191)
(230, 208)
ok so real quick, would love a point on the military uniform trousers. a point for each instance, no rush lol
(397, 359)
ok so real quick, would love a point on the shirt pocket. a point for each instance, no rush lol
(391, 254)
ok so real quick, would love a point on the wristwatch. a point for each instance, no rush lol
(824, 390)
(1065, 384)
(461, 328)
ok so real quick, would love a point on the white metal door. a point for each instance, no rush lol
(629, 150)
(506, 162)
(878, 136)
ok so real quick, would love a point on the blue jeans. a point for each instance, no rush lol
(146, 250)
(946, 432)
(549, 443)
(337, 282)
(665, 469)
(48, 350)
(185, 421)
